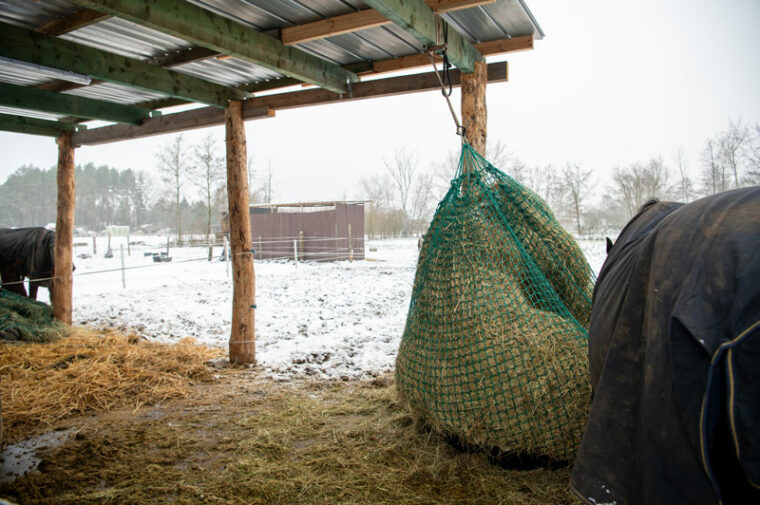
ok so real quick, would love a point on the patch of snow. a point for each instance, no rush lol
(341, 319)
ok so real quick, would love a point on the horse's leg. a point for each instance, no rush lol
(33, 286)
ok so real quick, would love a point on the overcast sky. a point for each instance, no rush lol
(612, 83)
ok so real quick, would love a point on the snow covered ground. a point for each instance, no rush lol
(342, 319)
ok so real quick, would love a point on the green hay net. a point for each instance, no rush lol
(24, 319)
(495, 346)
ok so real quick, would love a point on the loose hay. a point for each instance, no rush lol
(244, 440)
(495, 344)
(91, 371)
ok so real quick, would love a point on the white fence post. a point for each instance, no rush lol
(227, 257)
(295, 252)
(123, 279)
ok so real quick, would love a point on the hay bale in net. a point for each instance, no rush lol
(495, 346)
(28, 320)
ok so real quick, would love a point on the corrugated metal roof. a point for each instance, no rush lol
(126, 38)
(505, 18)
(31, 15)
(110, 92)
(231, 71)
(29, 113)
(20, 75)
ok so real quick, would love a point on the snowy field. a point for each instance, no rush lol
(342, 319)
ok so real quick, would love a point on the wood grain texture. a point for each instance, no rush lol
(474, 110)
(242, 336)
(62, 287)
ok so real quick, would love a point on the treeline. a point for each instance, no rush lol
(104, 196)
(405, 195)
(186, 196)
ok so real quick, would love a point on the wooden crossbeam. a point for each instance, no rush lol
(66, 24)
(169, 123)
(48, 51)
(415, 17)
(491, 48)
(213, 31)
(265, 106)
(497, 72)
(24, 97)
(34, 126)
(189, 55)
(362, 20)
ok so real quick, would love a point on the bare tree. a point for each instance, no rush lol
(172, 166)
(403, 171)
(208, 173)
(638, 183)
(267, 186)
(713, 175)
(752, 154)
(380, 216)
(575, 183)
(421, 199)
(685, 184)
(731, 144)
(412, 189)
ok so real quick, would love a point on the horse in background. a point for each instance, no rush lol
(27, 253)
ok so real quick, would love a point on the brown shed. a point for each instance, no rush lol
(315, 231)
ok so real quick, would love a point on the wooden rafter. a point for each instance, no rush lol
(34, 126)
(265, 106)
(196, 53)
(66, 24)
(213, 31)
(362, 20)
(169, 123)
(24, 97)
(497, 72)
(491, 48)
(62, 54)
(416, 18)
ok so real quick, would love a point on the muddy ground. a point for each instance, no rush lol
(243, 439)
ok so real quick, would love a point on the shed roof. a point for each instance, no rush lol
(65, 62)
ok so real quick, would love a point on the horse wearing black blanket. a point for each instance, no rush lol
(674, 351)
(27, 252)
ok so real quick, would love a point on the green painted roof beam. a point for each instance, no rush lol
(53, 52)
(205, 28)
(34, 126)
(416, 18)
(28, 98)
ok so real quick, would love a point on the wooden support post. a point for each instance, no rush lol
(474, 113)
(61, 295)
(242, 345)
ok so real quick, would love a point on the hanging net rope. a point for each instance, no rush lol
(495, 346)
(22, 318)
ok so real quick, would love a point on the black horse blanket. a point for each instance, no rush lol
(26, 252)
(674, 351)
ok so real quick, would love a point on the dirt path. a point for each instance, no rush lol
(246, 440)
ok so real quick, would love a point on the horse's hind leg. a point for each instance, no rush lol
(33, 286)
